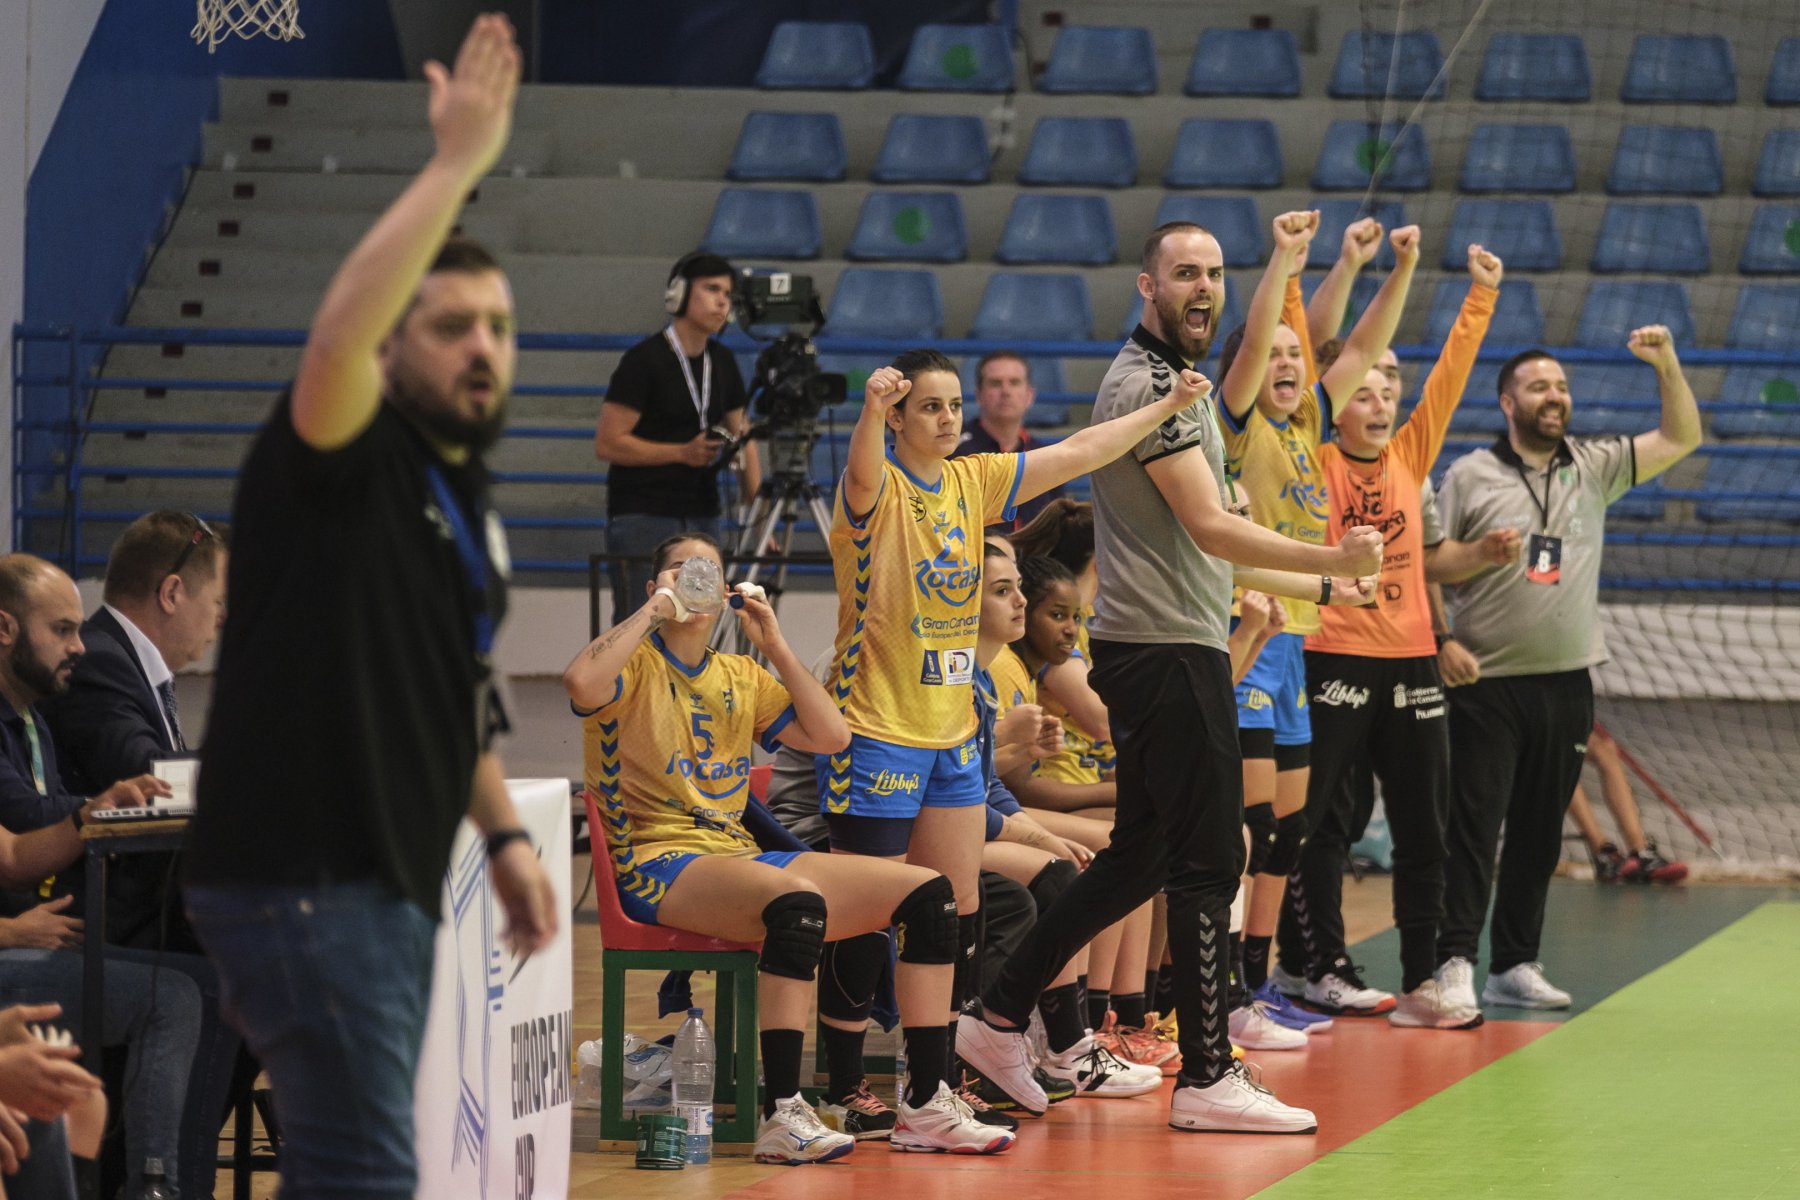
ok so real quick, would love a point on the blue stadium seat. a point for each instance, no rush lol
(1778, 168)
(754, 223)
(1215, 153)
(1244, 62)
(1669, 239)
(1776, 393)
(1354, 150)
(1666, 160)
(1784, 74)
(1688, 69)
(1519, 158)
(1772, 244)
(1077, 230)
(1336, 215)
(1517, 320)
(868, 302)
(1766, 317)
(1522, 232)
(928, 149)
(1101, 60)
(1763, 487)
(958, 58)
(1645, 502)
(1080, 152)
(1046, 376)
(1361, 292)
(1230, 219)
(818, 54)
(1478, 414)
(1040, 306)
(1612, 384)
(1615, 307)
(1535, 66)
(1605, 420)
(1381, 65)
(798, 146)
(909, 227)
(1229, 319)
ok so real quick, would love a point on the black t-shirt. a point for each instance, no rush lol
(343, 736)
(649, 380)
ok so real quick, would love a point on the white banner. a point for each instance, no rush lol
(492, 1103)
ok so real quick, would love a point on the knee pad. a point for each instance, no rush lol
(1051, 883)
(925, 924)
(968, 944)
(1284, 852)
(1259, 819)
(850, 971)
(793, 935)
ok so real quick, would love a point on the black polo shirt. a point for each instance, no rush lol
(343, 735)
(648, 380)
(977, 440)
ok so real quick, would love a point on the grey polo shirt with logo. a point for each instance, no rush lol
(1512, 625)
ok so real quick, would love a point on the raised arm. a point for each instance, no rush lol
(1421, 439)
(338, 385)
(1375, 330)
(818, 727)
(868, 441)
(592, 678)
(1678, 435)
(1325, 315)
(1293, 233)
(1092, 448)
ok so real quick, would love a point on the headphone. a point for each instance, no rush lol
(675, 295)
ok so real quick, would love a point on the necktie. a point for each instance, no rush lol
(165, 691)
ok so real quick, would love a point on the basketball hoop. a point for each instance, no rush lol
(219, 19)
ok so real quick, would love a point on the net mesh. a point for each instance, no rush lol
(217, 20)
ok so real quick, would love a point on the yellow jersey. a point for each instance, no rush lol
(909, 598)
(1013, 684)
(1077, 761)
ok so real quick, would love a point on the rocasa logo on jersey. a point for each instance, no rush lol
(888, 783)
(947, 574)
(713, 779)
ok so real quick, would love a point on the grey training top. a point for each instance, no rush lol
(1512, 625)
(1431, 528)
(1156, 585)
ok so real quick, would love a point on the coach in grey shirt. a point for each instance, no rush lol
(1519, 732)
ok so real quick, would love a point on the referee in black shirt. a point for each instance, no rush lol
(352, 724)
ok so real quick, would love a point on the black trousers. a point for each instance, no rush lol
(1519, 743)
(1178, 828)
(1007, 913)
(1384, 716)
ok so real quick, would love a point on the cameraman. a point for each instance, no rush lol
(670, 401)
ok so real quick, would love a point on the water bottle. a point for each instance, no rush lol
(700, 586)
(156, 1184)
(696, 1057)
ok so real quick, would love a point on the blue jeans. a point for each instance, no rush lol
(641, 533)
(329, 986)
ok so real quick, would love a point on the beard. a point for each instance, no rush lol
(38, 676)
(1169, 312)
(1532, 431)
(439, 420)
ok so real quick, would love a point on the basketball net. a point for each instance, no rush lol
(219, 19)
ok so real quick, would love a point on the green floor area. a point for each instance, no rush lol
(1684, 1083)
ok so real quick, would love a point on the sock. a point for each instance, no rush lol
(1150, 988)
(1062, 1012)
(781, 1053)
(927, 1052)
(1236, 994)
(1165, 989)
(843, 1061)
(1256, 960)
(954, 1076)
(1097, 1004)
(1129, 1008)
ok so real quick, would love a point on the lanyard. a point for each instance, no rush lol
(474, 560)
(701, 396)
(37, 755)
(1543, 505)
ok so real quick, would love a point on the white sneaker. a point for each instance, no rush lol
(1253, 1029)
(1429, 1006)
(1524, 986)
(945, 1125)
(1001, 1056)
(794, 1135)
(1097, 1071)
(1286, 984)
(1456, 978)
(1236, 1104)
(1341, 990)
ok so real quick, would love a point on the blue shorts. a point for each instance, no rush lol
(873, 778)
(1273, 694)
(641, 891)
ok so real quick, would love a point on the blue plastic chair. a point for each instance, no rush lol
(1604, 384)
(1668, 239)
(1615, 307)
(1101, 60)
(1477, 415)
(1080, 152)
(1046, 306)
(1765, 483)
(818, 54)
(958, 58)
(795, 146)
(1765, 318)
(1367, 67)
(1784, 74)
(1535, 66)
(1244, 62)
(1666, 160)
(1230, 219)
(1074, 230)
(1686, 69)
(1219, 153)
(1775, 389)
(1355, 150)
(1517, 319)
(754, 223)
(1772, 243)
(1645, 502)
(1336, 215)
(1519, 158)
(1522, 232)
(930, 149)
(909, 227)
(868, 302)
(1778, 167)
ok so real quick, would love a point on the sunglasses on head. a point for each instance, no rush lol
(202, 531)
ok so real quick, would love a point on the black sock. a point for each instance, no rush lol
(1061, 1010)
(1238, 996)
(954, 1074)
(1129, 1008)
(843, 1061)
(1256, 961)
(1097, 1004)
(927, 1053)
(781, 1052)
(1165, 989)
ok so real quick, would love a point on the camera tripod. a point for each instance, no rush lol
(773, 512)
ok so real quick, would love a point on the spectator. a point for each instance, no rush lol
(1003, 395)
(1644, 863)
